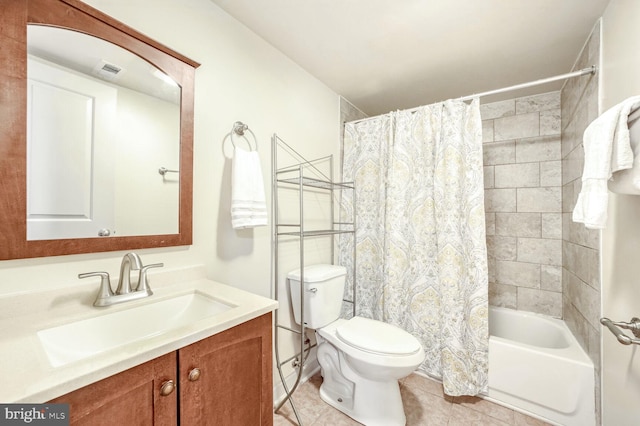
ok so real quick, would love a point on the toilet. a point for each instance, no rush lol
(361, 359)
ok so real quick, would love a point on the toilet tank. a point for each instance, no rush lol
(323, 293)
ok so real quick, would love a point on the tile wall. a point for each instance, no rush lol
(523, 202)
(580, 246)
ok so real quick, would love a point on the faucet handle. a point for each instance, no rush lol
(143, 282)
(105, 286)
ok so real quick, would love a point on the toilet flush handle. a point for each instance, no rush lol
(313, 290)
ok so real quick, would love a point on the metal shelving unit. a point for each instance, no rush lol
(302, 176)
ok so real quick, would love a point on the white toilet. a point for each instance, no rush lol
(361, 359)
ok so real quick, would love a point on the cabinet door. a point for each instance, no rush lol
(132, 397)
(235, 383)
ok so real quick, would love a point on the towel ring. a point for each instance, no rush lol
(239, 128)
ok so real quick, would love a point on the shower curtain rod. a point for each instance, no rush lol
(590, 70)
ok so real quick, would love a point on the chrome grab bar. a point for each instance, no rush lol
(634, 326)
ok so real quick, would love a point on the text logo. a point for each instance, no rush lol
(34, 414)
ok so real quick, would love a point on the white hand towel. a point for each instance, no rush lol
(248, 206)
(606, 150)
(628, 181)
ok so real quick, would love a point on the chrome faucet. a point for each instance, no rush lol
(124, 292)
(129, 261)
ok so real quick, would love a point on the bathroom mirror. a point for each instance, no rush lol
(101, 122)
(119, 105)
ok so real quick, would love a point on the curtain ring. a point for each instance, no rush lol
(239, 128)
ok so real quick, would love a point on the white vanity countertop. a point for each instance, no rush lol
(25, 370)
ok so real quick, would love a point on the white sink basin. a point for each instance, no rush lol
(81, 339)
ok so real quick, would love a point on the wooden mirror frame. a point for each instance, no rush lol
(78, 16)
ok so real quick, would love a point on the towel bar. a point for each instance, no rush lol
(163, 171)
(634, 326)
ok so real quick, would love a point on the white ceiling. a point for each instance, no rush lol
(383, 55)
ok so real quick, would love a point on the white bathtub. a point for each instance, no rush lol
(536, 366)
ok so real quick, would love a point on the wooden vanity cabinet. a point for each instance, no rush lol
(128, 398)
(235, 383)
(225, 379)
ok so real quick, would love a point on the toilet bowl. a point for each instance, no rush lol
(361, 359)
(372, 362)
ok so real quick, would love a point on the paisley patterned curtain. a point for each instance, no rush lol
(420, 240)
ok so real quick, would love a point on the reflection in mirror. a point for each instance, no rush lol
(101, 121)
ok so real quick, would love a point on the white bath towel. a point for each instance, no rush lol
(606, 150)
(248, 206)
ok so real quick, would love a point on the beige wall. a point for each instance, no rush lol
(620, 79)
(241, 78)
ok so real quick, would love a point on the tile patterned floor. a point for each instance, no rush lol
(424, 404)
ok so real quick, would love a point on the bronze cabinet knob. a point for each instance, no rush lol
(194, 374)
(167, 387)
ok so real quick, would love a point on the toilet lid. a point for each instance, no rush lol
(376, 336)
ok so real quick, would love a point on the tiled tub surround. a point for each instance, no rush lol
(26, 367)
(523, 202)
(580, 246)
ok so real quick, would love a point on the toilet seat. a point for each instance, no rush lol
(377, 337)
(379, 359)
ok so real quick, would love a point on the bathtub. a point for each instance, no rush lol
(537, 367)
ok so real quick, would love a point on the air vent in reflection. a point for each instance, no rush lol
(111, 68)
(108, 71)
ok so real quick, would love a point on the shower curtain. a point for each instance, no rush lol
(420, 238)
